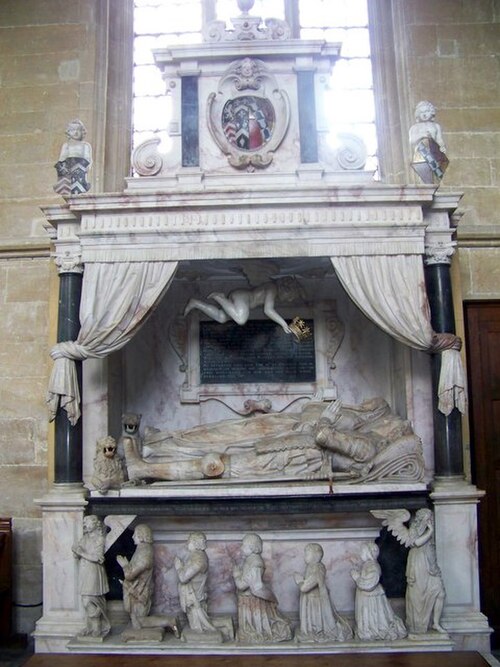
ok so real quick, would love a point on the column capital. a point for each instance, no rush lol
(69, 263)
(439, 252)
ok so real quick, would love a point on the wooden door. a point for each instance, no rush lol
(482, 323)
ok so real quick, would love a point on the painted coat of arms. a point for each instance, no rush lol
(248, 122)
(248, 116)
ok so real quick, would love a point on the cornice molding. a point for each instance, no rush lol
(487, 236)
(21, 249)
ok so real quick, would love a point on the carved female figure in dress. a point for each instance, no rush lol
(93, 582)
(374, 616)
(258, 617)
(319, 620)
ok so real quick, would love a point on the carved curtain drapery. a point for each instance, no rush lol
(117, 297)
(390, 291)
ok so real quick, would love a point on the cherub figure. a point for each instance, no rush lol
(374, 616)
(425, 592)
(425, 126)
(237, 304)
(75, 160)
(427, 144)
(319, 620)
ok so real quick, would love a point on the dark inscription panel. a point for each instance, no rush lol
(259, 351)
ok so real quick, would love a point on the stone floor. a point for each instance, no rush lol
(447, 659)
(16, 653)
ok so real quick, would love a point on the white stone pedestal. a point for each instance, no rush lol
(456, 545)
(62, 518)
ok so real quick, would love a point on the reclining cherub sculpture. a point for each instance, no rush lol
(265, 288)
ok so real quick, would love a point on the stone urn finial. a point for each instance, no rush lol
(245, 5)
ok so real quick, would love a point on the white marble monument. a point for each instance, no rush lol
(185, 318)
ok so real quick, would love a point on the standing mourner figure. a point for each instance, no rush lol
(319, 620)
(425, 592)
(259, 619)
(425, 589)
(93, 582)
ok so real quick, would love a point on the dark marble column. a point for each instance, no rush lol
(68, 438)
(307, 117)
(448, 451)
(190, 122)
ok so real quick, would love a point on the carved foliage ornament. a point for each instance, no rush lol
(69, 263)
(248, 116)
(247, 28)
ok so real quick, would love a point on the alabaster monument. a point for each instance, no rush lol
(266, 352)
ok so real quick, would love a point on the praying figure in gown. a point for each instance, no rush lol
(374, 616)
(259, 619)
(319, 620)
(192, 574)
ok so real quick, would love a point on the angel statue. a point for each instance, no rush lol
(237, 304)
(425, 592)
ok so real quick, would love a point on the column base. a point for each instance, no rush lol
(469, 629)
(455, 508)
(62, 524)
